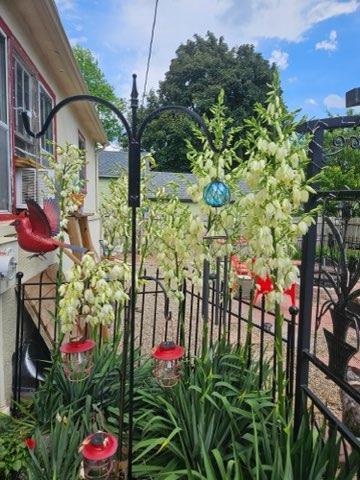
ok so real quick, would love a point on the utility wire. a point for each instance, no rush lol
(150, 52)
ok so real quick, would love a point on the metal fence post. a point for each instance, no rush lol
(306, 284)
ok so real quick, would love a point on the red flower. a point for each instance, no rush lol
(29, 442)
(291, 291)
(262, 287)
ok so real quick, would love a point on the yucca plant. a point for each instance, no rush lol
(277, 453)
(58, 391)
(55, 455)
(188, 431)
(54, 451)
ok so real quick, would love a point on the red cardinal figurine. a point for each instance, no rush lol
(35, 229)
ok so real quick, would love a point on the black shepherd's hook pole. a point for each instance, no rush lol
(134, 134)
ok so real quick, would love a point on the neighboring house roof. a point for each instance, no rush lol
(162, 179)
(41, 22)
(111, 162)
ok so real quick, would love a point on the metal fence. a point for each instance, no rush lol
(225, 315)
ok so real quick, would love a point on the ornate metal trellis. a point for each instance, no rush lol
(331, 274)
(340, 142)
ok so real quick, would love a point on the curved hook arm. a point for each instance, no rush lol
(167, 313)
(75, 98)
(190, 113)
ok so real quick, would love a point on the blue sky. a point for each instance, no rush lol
(315, 43)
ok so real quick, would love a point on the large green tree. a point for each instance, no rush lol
(201, 68)
(99, 86)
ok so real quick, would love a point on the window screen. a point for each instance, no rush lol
(4, 132)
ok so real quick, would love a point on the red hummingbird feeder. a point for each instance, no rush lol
(77, 358)
(167, 357)
(98, 450)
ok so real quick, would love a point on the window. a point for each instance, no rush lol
(30, 95)
(45, 107)
(22, 95)
(4, 131)
(24, 92)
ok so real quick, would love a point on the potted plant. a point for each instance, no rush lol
(343, 281)
(342, 287)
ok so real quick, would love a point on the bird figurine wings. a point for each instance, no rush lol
(37, 227)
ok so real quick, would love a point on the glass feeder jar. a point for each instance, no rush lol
(77, 358)
(167, 357)
(98, 450)
(216, 193)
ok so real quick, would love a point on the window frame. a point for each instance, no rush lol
(44, 151)
(17, 61)
(7, 126)
(15, 49)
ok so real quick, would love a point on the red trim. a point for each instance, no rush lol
(4, 217)
(11, 121)
(13, 45)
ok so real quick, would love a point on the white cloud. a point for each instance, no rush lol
(77, 40)
(286, 19)
(125, 25)
(334, 101)
(292, 79)
(329, 44)
(65, 5)
(311, 101)
(280, 58)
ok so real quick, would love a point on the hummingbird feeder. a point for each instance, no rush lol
(98, 450)
(77, 358)
(167, 357)
(216, 193)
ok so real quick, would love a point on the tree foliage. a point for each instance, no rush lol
(99, 86)
(202, 67)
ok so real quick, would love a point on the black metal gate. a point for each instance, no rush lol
(328, 364)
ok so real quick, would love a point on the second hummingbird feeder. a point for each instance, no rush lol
(98, 450)
(167, 358)
(216, 193)
(77, 358)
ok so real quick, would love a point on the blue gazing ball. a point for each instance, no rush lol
(216, 193)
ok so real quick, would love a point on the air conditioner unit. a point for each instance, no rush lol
(42, 188)
(26, 186)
